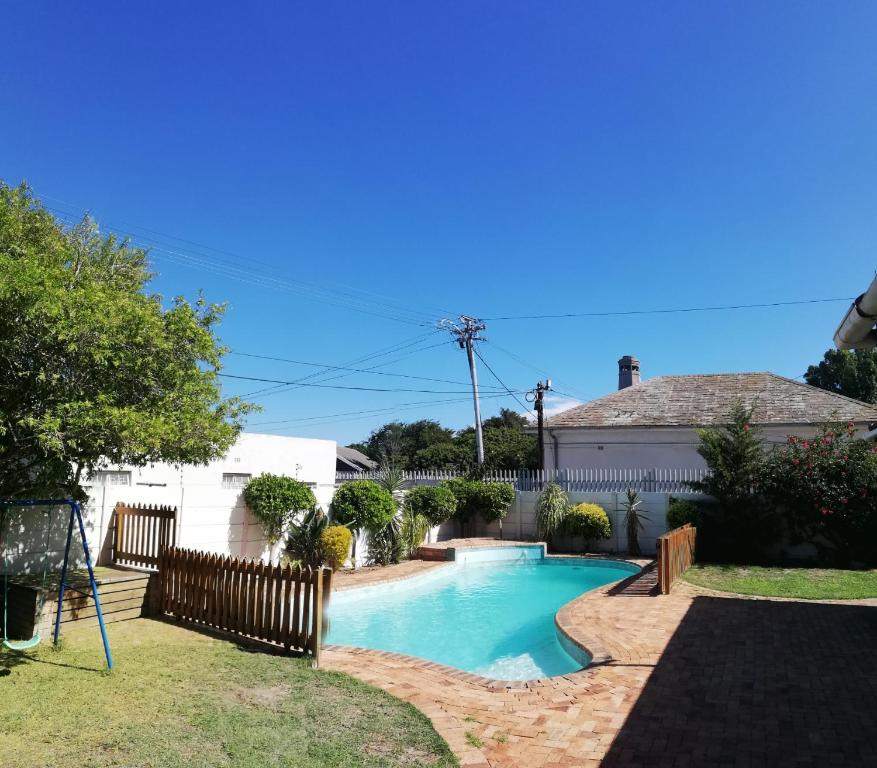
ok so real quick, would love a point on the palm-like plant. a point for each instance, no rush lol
(303, 543)
(633, 521)
(551, 511)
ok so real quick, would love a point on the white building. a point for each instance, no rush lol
(653, 423)
(211, 514)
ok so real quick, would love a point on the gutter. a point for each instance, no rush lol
(856, 330)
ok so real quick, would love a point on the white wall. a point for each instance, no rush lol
(520, 524)
(209, 517)
(639, 447)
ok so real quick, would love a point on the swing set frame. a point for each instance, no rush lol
(63, 585)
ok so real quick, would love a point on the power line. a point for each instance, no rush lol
(399, 345)
(354, 415)
(622, 313)
(345, 368)
(280, 389)
(341, 386)
(501, 383)
(347, 299)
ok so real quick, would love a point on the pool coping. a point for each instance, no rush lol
(589, 645)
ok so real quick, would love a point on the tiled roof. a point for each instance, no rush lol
(706, 399)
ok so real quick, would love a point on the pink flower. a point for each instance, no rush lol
(792, 439)
(796, 462)
(746, 427)
(806, 444)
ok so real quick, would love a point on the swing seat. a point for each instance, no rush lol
(22, 645)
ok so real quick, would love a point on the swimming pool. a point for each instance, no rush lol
(491, 612)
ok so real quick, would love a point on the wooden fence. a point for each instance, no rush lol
(279, 605)
(141, 533)
(582, 479)
(675, 552)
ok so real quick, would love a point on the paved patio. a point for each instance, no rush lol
(688, 679)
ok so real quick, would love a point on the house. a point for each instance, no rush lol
(351, 460)
(211, 514)
(653, 423)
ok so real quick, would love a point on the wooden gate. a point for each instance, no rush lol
(142, 533)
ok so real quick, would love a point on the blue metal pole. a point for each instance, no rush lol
(100, 616)
(63, 584)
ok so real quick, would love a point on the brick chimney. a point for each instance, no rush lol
(628, 372)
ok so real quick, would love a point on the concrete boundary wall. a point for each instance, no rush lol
(520, 524)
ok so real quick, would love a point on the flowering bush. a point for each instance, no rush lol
(826, 487)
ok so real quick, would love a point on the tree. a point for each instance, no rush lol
(425, 444)
(398, 442)
(733, 454)
(847, 372)
(363, 505)
(95, 368)
(738, 526)
(507, 419)
(275, 500)
(504, 447)
(445, 456)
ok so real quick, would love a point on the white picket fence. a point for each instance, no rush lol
(574, 479)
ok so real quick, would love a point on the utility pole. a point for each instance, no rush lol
(466, 333)
(537, 397)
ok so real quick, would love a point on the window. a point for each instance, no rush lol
(235, 480)
(110, 477)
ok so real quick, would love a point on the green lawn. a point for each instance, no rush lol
(182, 698)
(806, 583)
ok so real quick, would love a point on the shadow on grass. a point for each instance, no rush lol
(243, 643)
(9, 660)
(759, 683)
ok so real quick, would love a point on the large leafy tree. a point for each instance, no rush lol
(425, 444)
(847, 372)
(95, 368)
(398, 442)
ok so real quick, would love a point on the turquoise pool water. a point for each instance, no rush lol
(484, 614)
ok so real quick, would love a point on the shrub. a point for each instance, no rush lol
(385, 545)
(414, 529)
(363, 505)
(491, 500)
(465, 492)
(304, 543)
(825, 488)
(436, 503)
(494, 501)
(551, 511)
(589, 521)
(275, 500)
(335, 542)
(682, 511)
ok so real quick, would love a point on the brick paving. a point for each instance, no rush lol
(687, 679)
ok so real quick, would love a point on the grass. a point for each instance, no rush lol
(804, 583)
(178, 697)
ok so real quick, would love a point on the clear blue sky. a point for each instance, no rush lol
(493, 158)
